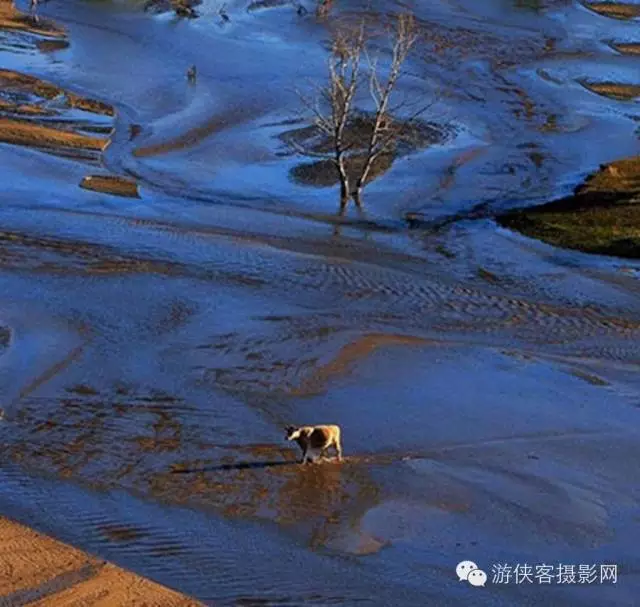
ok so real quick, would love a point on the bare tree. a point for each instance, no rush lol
(323, 8)
(33, 10)
(383, 132)
(350, 69)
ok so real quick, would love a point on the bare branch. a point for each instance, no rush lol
(404, 39)
(333, 110)
(374, 82)
(301, 149)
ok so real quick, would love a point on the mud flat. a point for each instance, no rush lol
(37, 570)
(12, 19)
(614, 90)
(602, 216)
(627, 48)
(111, 184)
(615, 10)
(35, 113)
(411, 137)
(21, 133)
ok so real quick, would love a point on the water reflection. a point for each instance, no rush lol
(530, 5)
(98, 441)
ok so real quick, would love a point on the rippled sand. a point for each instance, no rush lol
(37, 570)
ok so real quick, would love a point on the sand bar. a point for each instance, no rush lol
(39, 571)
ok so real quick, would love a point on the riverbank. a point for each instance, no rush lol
(602, 216)
(37, 570)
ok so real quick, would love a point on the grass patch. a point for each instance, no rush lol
(602, 216)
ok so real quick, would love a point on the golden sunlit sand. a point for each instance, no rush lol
(37, 570)
(13, 19)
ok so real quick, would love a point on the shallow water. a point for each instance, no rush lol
(486, 384)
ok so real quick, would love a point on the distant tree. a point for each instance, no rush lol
(323, 8)
(351, 68)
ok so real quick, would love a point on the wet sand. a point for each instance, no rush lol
(36, 570)
(153, 347)
(14, 19)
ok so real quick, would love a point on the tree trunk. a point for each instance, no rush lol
(364, 175)
(362, 180)
(344, 184)
(344, 196)
(357, 196)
